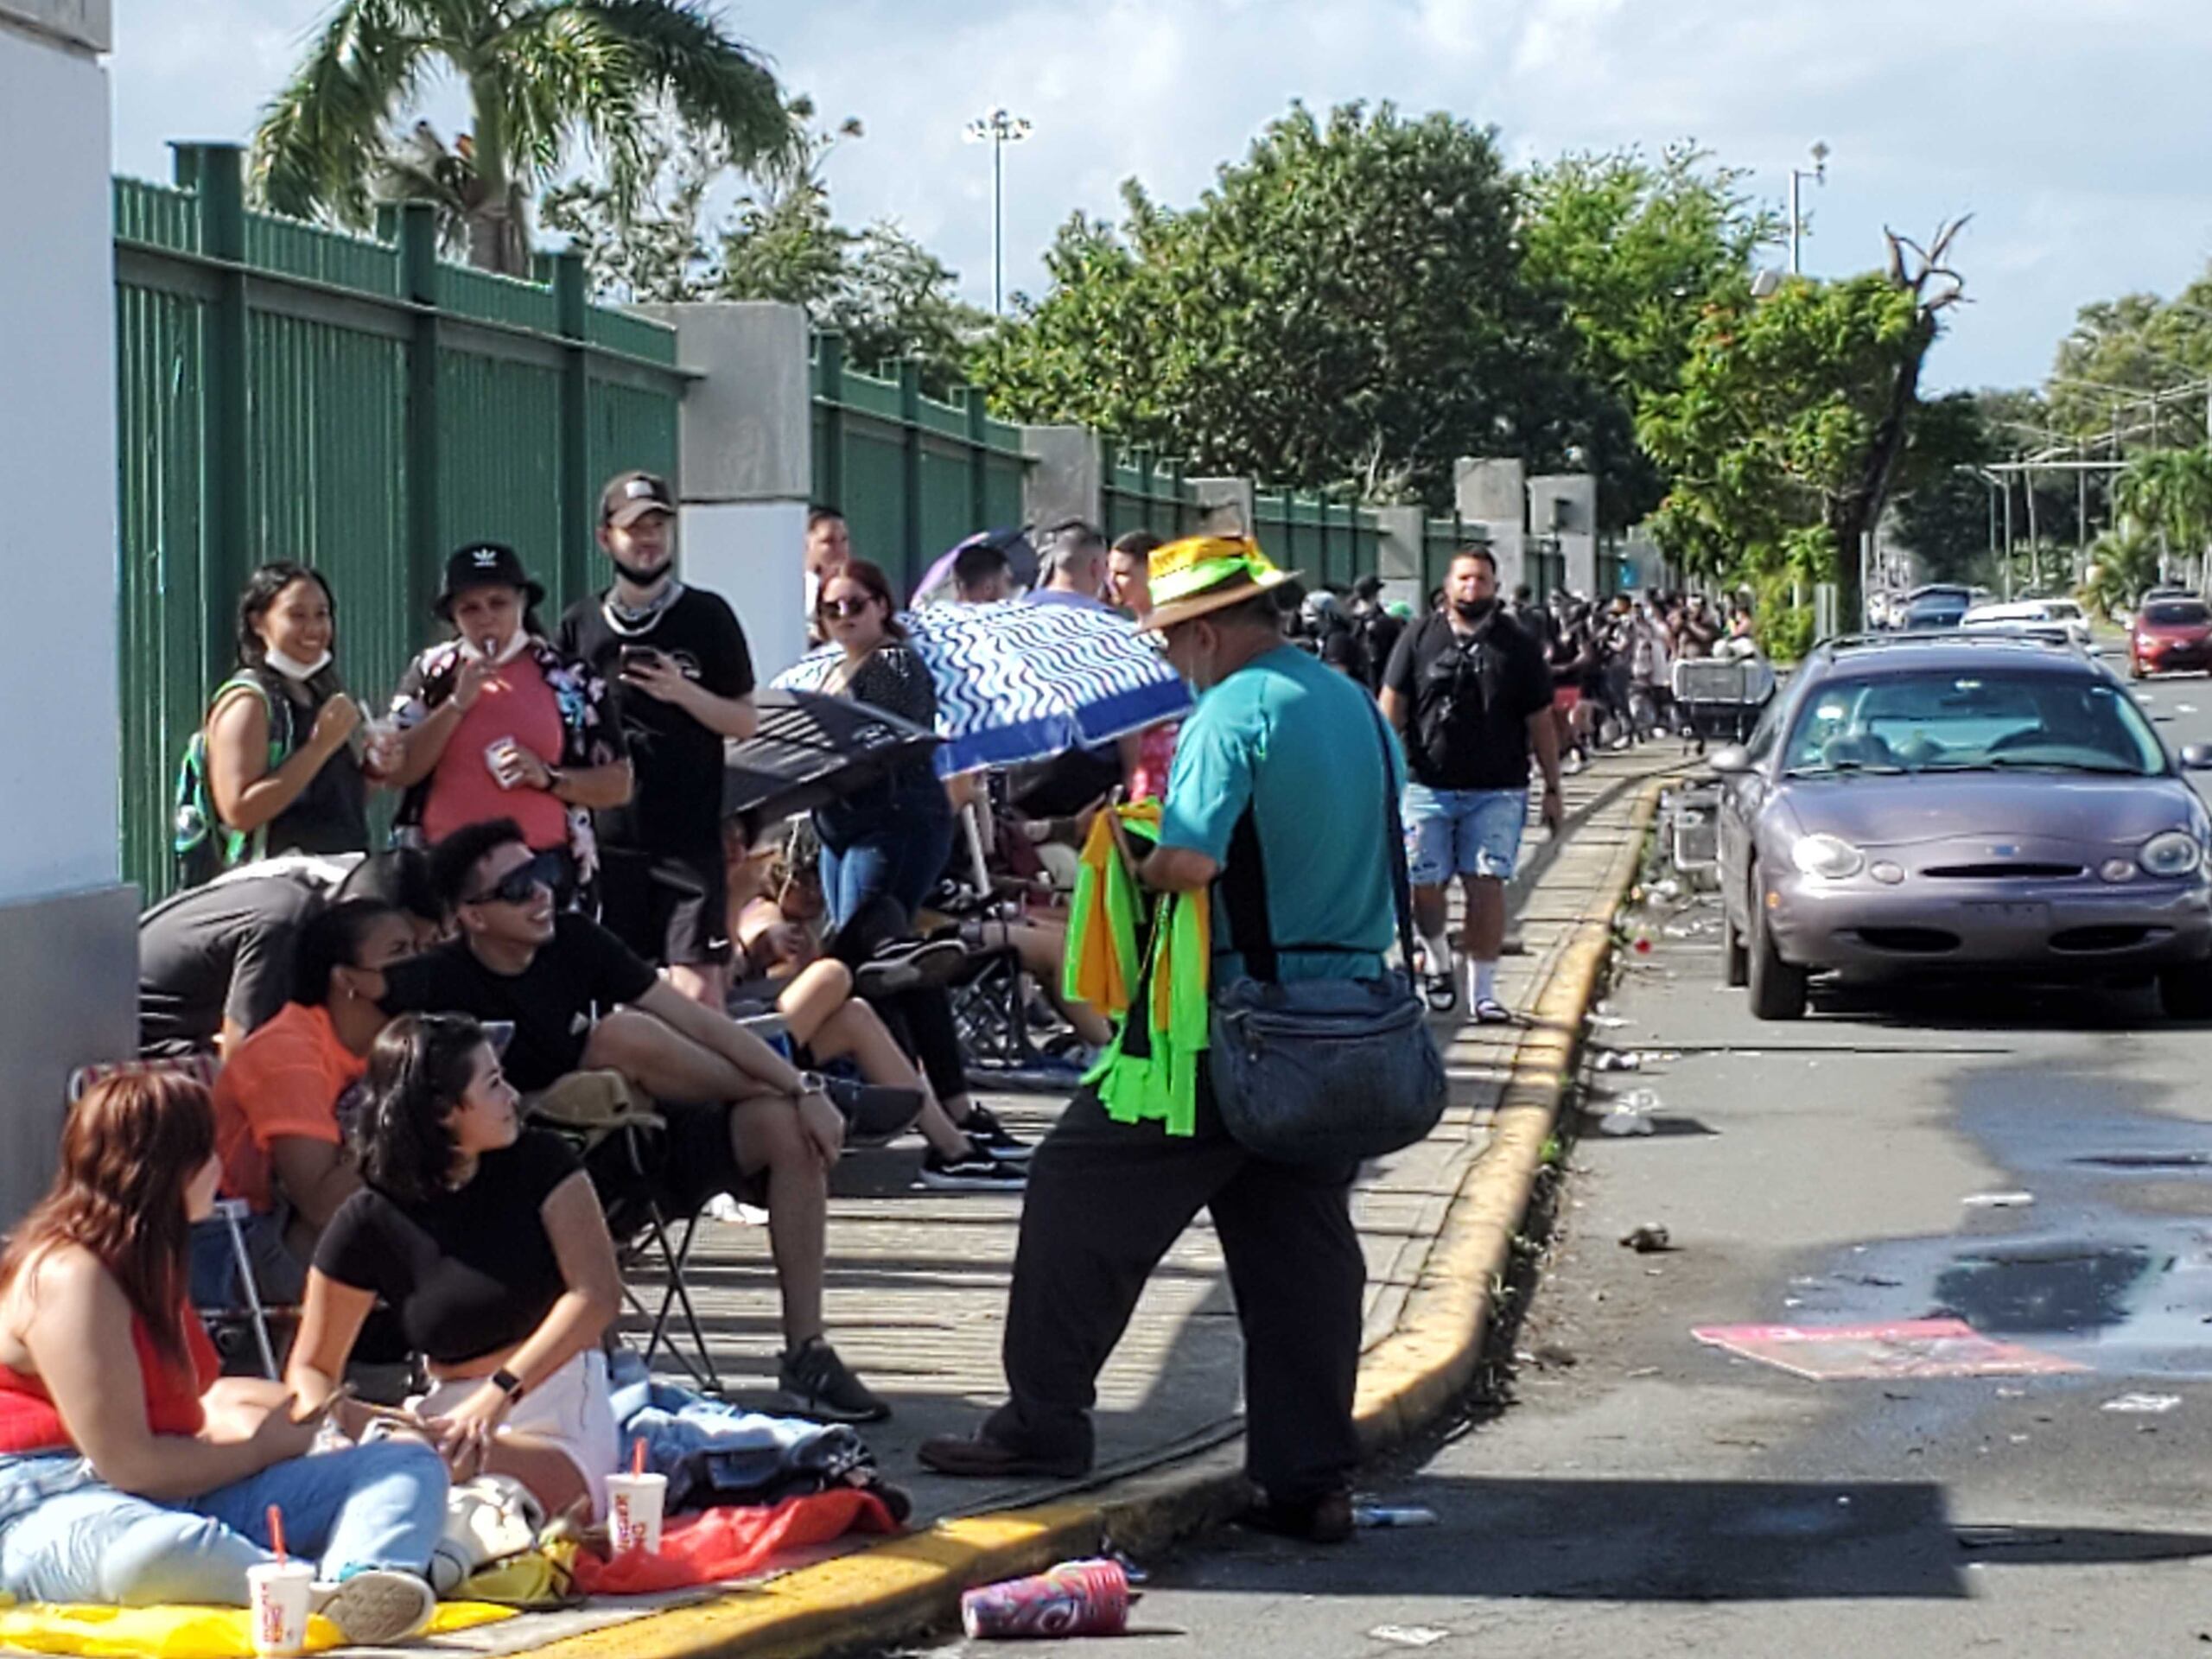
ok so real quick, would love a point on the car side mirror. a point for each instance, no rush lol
(1733, 758)
(2196, 757)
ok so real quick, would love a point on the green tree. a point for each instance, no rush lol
(2123, 562)
(2132, 368)
(540, 75)
(1632, 249)
(2169, 492)
(1794, 415)
(1345, 306)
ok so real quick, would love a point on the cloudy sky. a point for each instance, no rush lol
(2072, 129)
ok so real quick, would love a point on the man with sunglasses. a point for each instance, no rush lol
(580, 1001)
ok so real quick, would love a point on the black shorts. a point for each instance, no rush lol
(673, 911)
(681, 1165)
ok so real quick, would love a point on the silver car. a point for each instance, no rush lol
(1943, 802)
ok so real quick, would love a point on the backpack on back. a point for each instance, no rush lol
(203, 846)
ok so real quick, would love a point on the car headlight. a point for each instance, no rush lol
(1829, 856)
(2174, 852)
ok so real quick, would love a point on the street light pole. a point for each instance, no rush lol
(1818, 175)
(998, 130)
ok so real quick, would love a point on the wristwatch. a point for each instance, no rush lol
(507, 1383)
(810, 1082)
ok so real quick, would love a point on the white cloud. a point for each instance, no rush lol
(2072, 132)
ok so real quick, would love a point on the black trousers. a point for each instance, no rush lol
(1106, 1200)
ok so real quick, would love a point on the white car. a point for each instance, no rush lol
(2041, 616)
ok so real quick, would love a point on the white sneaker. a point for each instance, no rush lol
(377, 1606)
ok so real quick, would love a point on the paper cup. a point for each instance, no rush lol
(502, 758)
(277, 1596)
(634, 1503)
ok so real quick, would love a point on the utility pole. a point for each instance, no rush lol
(1818, 175)
(998, 130)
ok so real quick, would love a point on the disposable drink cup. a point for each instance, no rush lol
(1088, 1597)
(506, 766)
(277, 1596)
(634, 1503)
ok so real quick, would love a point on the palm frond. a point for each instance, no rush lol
(678, 48)
(319, 138)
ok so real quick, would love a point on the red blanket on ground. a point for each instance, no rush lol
(729, 1543)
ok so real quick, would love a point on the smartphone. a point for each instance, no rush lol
(639, 657)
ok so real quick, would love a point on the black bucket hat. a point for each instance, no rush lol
(485, 564)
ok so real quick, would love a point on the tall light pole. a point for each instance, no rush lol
(1818, 174)
(998, 130)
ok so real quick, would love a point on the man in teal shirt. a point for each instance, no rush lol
(1300, 748)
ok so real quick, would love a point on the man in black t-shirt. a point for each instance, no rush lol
(682, 680)
(580, 1001)
(1473, 695)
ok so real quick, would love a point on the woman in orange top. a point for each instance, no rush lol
(129, 1473)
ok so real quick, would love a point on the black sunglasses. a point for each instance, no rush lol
(518, 887)
(846, 607)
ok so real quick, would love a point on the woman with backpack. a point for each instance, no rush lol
(284, 764)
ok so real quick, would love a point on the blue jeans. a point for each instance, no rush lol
(67, 1535)
(1462, 832)
(899, 856)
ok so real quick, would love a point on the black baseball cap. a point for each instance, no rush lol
(485, 564)
(630, 496)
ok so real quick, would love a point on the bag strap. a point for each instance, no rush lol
(1244, 885)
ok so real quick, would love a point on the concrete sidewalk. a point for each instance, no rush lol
(918, 1287)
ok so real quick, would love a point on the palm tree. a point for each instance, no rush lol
(542, 75)
(2170, 490)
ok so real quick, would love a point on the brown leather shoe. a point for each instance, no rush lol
(978, 1457)
(1324, 1520)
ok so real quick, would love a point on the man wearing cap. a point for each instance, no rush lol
(497, 723)
(1281, 789)
(683, 682)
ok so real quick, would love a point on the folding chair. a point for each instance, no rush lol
(254, 1317)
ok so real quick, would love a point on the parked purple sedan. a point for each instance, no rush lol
(1963, 801)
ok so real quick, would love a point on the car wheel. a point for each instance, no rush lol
(1778, 987)
(2185, 993)
(1735, 959)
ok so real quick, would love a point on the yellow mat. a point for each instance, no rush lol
(182, 1632)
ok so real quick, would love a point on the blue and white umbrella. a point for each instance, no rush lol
(1018, 682)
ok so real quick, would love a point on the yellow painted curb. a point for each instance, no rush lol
(906, 1585)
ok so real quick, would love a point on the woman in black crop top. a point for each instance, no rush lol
(486, 1240)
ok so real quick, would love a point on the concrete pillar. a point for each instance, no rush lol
(746, 455)
(1228, 502)
(1492, 493)
(1067, 479)
(1564, 506)
(68, 925)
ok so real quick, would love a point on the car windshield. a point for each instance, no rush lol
(1979, 721)
(2177, 610)
(2064, 609)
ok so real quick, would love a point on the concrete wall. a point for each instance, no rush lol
(1565, 504)
(69, 942)
(1492, 493)
(1067, 479)
(747, 448)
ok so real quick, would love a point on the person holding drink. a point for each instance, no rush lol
(497, 723)
(289, 759)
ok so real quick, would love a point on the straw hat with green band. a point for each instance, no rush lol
(1205, 572)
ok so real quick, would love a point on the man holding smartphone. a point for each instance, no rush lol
(682, 676)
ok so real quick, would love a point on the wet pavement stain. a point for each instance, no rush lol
(2090, 1271)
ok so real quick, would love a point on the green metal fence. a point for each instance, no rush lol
(354, 403)
(1324, 540)
(913, 475)
(1139, 492)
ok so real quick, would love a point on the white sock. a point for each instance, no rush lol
(1438, 952)
(1483, 977)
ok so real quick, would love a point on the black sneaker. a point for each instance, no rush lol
(814, 1382)
(874, 1112)
(976, 1172)
(909, 964)
(983, 1127)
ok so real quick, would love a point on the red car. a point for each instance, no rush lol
(2170, 634)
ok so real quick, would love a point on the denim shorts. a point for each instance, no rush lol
(1463, 832)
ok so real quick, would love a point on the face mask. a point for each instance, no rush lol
(514, 649)
(1473, 610)
(291, 667)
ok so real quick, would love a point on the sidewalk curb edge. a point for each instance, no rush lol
(905, 1585)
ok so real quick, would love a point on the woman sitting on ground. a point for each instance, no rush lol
(129, 1473)
(489, 1243)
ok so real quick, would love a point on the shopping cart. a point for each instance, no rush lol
(1720, 700)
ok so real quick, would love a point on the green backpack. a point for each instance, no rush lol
(204, 848)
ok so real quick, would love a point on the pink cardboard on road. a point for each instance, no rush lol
(1902, 1348)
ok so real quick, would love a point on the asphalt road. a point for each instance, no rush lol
(1645, 1493)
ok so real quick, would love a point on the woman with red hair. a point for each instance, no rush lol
(129, 1472)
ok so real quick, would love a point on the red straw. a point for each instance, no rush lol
(637, 1456)
(276, 1530)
